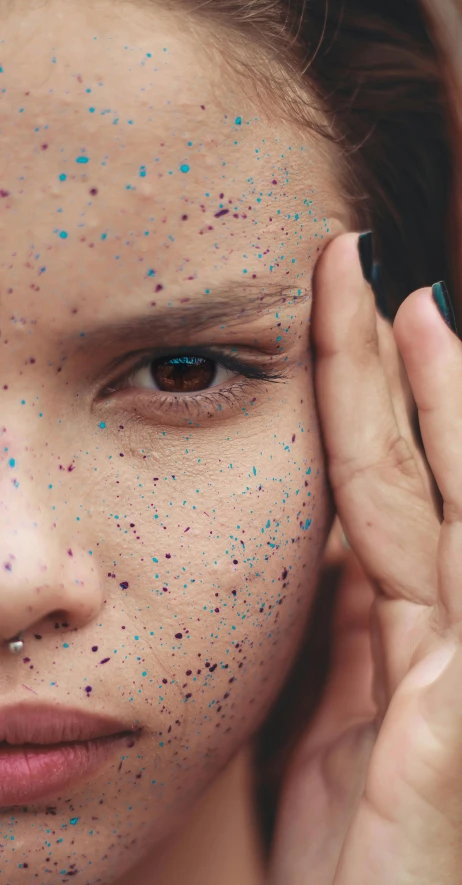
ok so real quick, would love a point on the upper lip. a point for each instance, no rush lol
(28, 723)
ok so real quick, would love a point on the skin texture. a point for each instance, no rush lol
(161, 558)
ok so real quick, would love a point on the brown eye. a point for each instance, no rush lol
(183, 374)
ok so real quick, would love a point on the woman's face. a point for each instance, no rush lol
(163, 495)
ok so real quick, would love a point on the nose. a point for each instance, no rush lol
(44, 572)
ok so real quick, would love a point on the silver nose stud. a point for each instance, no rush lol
(15, 645)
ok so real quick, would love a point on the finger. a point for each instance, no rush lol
(408, 822)
(351, 661)
(327, 774)
(315, 811)
(433, 359)
(381, 497)
(404, 405)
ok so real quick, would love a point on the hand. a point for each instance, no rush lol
(374, 794)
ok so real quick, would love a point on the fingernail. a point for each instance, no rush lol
(443, 302)
(366, 254)
(378, 288)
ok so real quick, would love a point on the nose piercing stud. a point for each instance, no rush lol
(15, 645)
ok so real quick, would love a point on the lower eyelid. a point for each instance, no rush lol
(160, 407)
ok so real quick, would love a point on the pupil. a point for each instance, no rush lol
(183, 374)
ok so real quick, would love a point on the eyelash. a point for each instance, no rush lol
(213, 399)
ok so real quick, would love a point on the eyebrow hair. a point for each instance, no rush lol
(230, 305)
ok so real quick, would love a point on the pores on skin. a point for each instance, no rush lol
(165, 553)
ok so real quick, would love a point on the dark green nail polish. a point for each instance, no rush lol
(443, 302)
(366, 254)
(378, 288)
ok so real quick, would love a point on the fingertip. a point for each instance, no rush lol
(422, 333)
(338, 258)
(339, 288)
(416, 312)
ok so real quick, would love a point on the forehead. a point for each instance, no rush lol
(72, 73)
(126, 146)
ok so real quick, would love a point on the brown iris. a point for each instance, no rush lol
(183, 374)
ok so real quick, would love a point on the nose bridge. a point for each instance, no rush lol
(43, 570)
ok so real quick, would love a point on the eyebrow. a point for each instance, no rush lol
(231, 306)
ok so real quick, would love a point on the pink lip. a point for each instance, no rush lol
(45, 749)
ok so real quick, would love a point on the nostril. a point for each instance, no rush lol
(59, 619)
(67, 597)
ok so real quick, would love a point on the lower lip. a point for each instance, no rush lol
(31, 773)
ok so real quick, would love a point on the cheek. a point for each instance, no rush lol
(220, 546)
(208, 547)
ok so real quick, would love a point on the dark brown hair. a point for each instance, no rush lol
(372, 68)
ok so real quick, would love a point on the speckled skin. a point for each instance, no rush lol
(160, 555)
